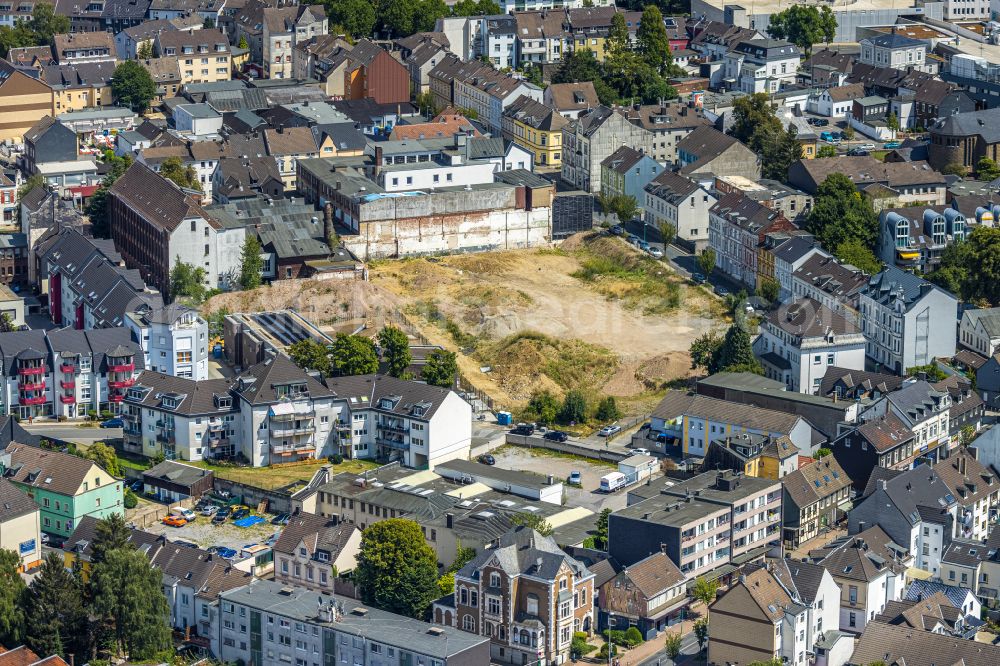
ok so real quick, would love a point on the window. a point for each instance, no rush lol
(468, 624)
(493, 605)
(494, 579)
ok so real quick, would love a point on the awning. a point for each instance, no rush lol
(913, 573)
(282, 408)
(715, 574)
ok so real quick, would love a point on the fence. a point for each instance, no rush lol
(150, 514)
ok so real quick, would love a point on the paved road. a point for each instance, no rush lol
(71, 433)
(689, 650)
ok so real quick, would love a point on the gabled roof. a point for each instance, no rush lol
(705, 144)
(677, 403)
(885, 433)
(846, 92)
(810, 484)
(318, 532)
(13, 502)
(653, 575)
(58, 472)
(23, 656)
(807, 318)
(404, 394)
(672, 187)
(523, 551)
(257, 385)
(864, 556)
(830, 276)
(988, 318)
(573, 96)
(892, 644)
(894, 283)
(160, 201)
(535, 114)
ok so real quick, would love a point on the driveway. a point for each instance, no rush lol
(205, 534)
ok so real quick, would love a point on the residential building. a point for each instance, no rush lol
(754, 455)
(907, 182)
(901, 644)
(626, 172)
(591, 138)
(706, 150)
(737, 226)
(958, 610)
(915, 507)
(870, 569)
(24, 101)
(895, 50)
(703, 523)
(695, 420)
(65, 487)
(313, 551)
(525, 595)
(81, 47)
(23, 656)
(174, 340)
(789, 252)
(914, 239)
(897, 309)
(977, 490)
(885, 442)
(761, 65)
(650, 594)
(283, 29)
(171, 481)
(967, 409)
(20, 525)
(155, 224)
(834, 285)
(837, 101)
(498, 37)
(202, 55)
(979, 330)
(790, 202)
(923, 408)
(682, 203)
(570, 100)
(988, 381)
(669, 122)
(133, 40)
(537, 128)
(816, 497)
(488, 93)
(801, 338)
(339, 627)
(49, 141)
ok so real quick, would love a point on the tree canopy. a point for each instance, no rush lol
(804, 25)
(971, 268)
(396, 350)
(12, 589)
(132, 86)
(251, 262)
(440, 368)
(840, 214)
(756, 124)
(396, 569)
(39, 30)
(97, 206)
(55, 619)
(855, 253)
(309, 354)
(184, 175)
(187, 280)
(352, 355)
(128, 594)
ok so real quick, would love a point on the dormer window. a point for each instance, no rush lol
(223, 401)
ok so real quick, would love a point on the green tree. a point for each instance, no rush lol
(30, 183)
(130, 500)
(822, 452)
(251, 262)
(46, 24)
(770, 662)
(145, 50)
(736, 353)
(701, 632)
(855, 253)
(533, 521)
(705, 591)
(668, 232)
(132, 86)
(440, 368)
(803, 25)
(356, 16)
(309, 354)
(396, 569)
(892, 121)
(954, 169)
(6, 326)
(952, 273)
(625, 207)
(753, 116)
(475, 8)
(581, 65)
(396, 349)
(110, 533)
(931, 370)
(705, 350)
(97, 205)
(542, 407)
(770, 289)
(187, 280)
(185, 176)
(826, 150)
(105, 457)
(653, 42)
(672, 643)
(574, 408)
(446, 583)
(12, 589)
(706, 261)
(427, 14)
(607, 410)
(981, 261)
(425, 102)
(967, 435)
(55, 619)
(601, 538)
(840, 214)
(127, 593)
(987, 169)
(396, 16)
(352, 355)
(243, 43)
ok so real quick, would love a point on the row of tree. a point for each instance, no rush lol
(351, 355)
(398, 18)
(631, 71)
(971, 268)
(117, 609)
(543, 407)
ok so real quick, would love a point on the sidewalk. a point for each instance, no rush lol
(650, 648)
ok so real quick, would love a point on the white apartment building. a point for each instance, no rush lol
(896, 51)
(489, 93)
(979, 331)
(682, 203)
(498, 40)
(427, 175)
(283, 28)
(761, 65)
(801, 339)
(906, 320)
(174, 340)
(415, 423)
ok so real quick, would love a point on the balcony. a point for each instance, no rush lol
(67, 399)
(35, 400)
(294, 416)
(31, 370)
(121, 383)
(295, 431)
(31, 386)
(67, 384)
(341, 425)
(121, 367)
(291, 449)
(131, 430)
(394, 427)
(218, 441)
(167, 436)
(69, 368)
(117, 397)
(393, 443)
(216, 423)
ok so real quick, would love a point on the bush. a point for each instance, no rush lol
(633, 637)
(336, 459)
(603, 654)
(580, 646)
(130, 501)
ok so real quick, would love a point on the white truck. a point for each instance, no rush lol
(612, 481)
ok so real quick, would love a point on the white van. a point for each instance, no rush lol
(186, 514)
(612, 481)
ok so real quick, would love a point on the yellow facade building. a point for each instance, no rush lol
(536, 128)
(23, 102)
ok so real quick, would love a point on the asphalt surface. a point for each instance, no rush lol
(71, 433)
(689, 651)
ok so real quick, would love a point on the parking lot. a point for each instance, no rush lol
(541, 461)
(203, 533)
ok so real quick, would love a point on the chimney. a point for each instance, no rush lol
(449, 520)
(378, 160)
(550, 479)
(961, 464)
(861, 526)
(663, 548)
(881, 484)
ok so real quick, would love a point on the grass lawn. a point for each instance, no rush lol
(281, 475)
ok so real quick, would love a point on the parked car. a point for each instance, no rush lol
(186, 514)
(575, 478)
(556, 436)
(830, 137)
(210, 510)
(617, 230)
(221, 516)
(487, 459)
(174, 521)
(277, 520)
(609, 430)
(523, 429)
(889, 145)
(721, 291)
(655, 252)
(698, 278)
(867, 146)
(225, 553)
(641, 451)
(857, 152)
(186, 544)
(115, 422)
(135, 486)
(818, 122)
(240, 514)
